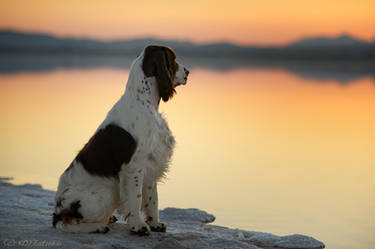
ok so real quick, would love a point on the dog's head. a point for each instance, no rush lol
(160, 61)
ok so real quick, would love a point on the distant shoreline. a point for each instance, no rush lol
(339, 48)
(343, 72)
(268, 54)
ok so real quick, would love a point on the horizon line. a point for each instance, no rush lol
(156, 37)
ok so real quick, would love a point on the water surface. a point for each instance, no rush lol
(262, 148)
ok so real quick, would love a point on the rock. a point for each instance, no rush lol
(187, 215)
(170, 244)
(25, 221)
(266, 240)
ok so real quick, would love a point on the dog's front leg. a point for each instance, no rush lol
(150, 207)
(131, 182)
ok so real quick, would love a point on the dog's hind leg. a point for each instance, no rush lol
(83, 227)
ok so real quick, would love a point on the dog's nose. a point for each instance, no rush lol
(186, 71)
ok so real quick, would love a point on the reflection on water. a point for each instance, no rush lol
(260, 148)
(339, 71)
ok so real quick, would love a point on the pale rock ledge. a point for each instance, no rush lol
(25, 221)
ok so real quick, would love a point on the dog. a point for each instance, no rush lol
(121, 164)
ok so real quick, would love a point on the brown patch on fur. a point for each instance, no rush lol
(68, 215)
(112, 220)
(107, 151)
(160, 61)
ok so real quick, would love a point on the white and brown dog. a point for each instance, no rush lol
(120, 166)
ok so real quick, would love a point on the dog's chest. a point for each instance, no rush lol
(155, 145)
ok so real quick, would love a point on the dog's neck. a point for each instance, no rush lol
(141, 90)
(146, 93)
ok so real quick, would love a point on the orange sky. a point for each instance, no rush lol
(268, 22)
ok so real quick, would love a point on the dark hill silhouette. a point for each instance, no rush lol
(340, 48)
(340, 41)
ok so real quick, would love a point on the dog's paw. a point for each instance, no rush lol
(143, 231)
(103, 229)
(161, 228)
(138, 226)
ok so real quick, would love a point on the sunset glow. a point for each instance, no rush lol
(273, 139)
(244, 22)
(271, 148)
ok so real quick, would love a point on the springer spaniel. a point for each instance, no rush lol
(119, 167)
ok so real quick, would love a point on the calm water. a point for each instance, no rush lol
(264, 148)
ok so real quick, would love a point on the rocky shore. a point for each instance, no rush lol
(25, 221)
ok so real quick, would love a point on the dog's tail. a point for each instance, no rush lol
(69, 220)
(67, 216)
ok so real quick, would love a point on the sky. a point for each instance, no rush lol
(268, 22)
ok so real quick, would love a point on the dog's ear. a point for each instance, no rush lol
(164, 76)
(156, 62)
